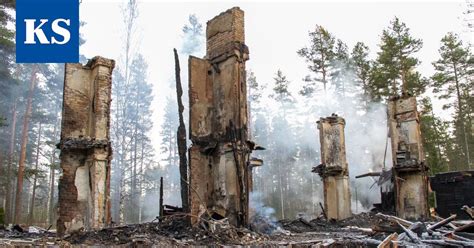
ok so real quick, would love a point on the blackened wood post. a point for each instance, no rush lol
(161, 196)
(181, 136)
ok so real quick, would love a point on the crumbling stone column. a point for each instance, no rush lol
(409, 169)
(219, 154)
(84, 186)
(333, 168)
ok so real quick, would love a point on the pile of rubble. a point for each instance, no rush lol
(366, 229)
(16, 236)
(169, 231)
(320, 224)
(381, 230)
(443, 232)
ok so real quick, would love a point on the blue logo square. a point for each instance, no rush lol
(47, 31)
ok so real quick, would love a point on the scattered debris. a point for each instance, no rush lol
(365, 229)
(469, 211)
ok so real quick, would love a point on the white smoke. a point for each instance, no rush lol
(366, 145)
(262, 218)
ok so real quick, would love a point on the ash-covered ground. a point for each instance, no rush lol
(173, 231)
(362, 230)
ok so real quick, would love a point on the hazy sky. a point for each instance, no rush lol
(274, 32)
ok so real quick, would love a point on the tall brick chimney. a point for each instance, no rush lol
(84, 186)
(219, 154)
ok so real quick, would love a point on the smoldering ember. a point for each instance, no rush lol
(235, 182)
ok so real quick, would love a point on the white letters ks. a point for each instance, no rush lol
(32, 31)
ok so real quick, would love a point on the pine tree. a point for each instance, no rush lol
(169, 146)
(7, 52)
(121, 115)
(139, 105)
(24, 143)
(436, 140)
(318, 56)
(341, 74)
(281, 94)
(254, 88)
(453, 81)
(394, 71)
(193, 36)
(362, 66)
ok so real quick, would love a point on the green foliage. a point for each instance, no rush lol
(168, 146)
(453, 82)
(7, 53)
(361, 65)
(436, 140)
(7, 36)
(281, 93)
(254, 88)
(319, 57)
(453, 70)
(341, 73)
(394, 70)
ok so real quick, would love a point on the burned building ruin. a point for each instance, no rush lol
(453, 192)
(409, 169)
(84, 202)
(333, 168)
(219, 154)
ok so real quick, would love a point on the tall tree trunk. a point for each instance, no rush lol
(438, 148)
(8, 201)
(461, 115)
(32, 205)
(130, 13)
(133, 197)
(135, 203)
(52, 162)
(123, 155)
(24, 141)
(3, 169)
(280, 180)
(181, 138)
(404, 82)
(140, 185)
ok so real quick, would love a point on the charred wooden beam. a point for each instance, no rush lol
(395, 219)
(181, 138)
(441, 223)
(466, 228)
(388, 241)
(369, 174)
(410, 234)
(161, 198)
